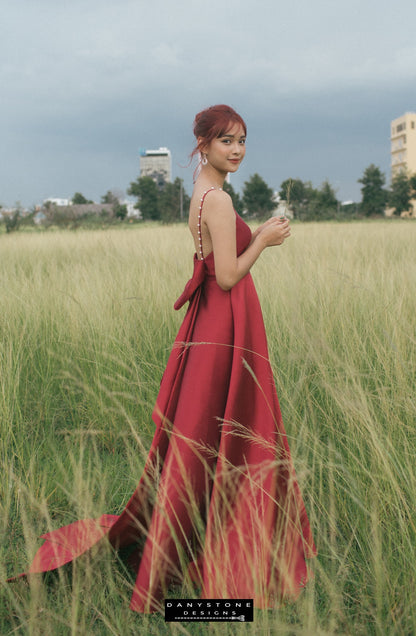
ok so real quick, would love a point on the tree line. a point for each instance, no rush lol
(257, 200)
(169, 202)
(376, 197)
(314, 204)
(305, 202)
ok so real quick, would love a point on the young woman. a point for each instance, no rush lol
(218, 503)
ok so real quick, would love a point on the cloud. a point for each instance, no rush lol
(86, 84)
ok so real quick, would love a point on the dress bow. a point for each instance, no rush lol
(192, 285)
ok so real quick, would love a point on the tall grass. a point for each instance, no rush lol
(86, 328)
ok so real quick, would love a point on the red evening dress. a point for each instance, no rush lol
(218, 502)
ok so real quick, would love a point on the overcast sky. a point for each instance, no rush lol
(86, 83)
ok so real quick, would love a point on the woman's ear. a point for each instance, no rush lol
(202, 145)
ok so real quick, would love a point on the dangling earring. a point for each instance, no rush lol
(204, 160)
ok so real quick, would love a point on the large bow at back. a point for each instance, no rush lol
(192, 285)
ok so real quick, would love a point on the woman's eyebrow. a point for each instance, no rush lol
(232, 136)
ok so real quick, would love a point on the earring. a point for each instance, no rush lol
(204, 160)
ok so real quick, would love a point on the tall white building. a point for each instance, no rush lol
(156, 164)
(403, 144)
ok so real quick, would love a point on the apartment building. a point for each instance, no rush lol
(403, 144)
(156, 164)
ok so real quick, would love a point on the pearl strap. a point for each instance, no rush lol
(199, 219)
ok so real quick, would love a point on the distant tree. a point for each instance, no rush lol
(258, 197)
(114, 198)
(413, 192)
(298, 196)
(348, 210)
(309, 203)
(173, 201)
(120, 211)
(110, 197)
(12, 221)
(327, 197)
(374, 196)
(147, 193)
(293, 191)
(400, 193)
(235, 197)
(79, 199)
(28, 219)
(323, 203)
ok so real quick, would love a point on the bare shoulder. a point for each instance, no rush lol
(218, 202)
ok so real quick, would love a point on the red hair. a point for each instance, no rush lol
(214, 122)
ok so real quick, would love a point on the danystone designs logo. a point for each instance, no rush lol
(209, 610)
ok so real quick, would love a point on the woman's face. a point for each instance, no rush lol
(227, 152)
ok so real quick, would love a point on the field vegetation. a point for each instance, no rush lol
(86, 325)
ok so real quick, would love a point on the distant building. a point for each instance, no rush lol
(132, 211)
(58, 202)
(156, 164)
(403, 144)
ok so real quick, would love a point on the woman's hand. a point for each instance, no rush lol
(274, 231)
(268, 222)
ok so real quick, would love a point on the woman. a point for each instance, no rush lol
(218, 503)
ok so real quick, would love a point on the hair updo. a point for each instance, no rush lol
(214, 122)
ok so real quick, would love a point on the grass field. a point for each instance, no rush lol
(86, 326)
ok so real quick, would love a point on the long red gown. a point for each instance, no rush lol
(218, 501)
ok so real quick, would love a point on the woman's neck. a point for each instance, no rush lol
(211, 177)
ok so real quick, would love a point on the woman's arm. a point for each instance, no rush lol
(219, 217)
